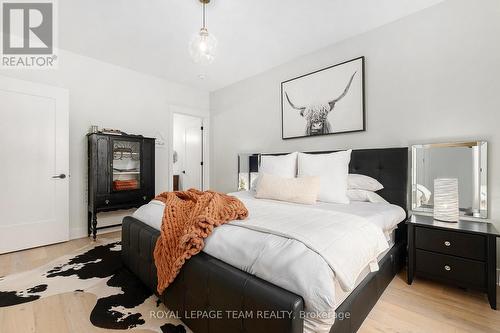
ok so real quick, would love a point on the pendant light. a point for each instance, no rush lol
(203, 44)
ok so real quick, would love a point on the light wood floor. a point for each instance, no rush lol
(424, 306)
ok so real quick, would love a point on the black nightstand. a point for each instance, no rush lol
(461, 254)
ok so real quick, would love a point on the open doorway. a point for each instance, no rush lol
(188, 152)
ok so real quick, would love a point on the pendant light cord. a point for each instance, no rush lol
(204, 26)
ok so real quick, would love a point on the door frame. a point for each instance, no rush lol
(205, 120)
(61, 98)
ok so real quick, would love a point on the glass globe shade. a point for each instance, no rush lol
(202, 47)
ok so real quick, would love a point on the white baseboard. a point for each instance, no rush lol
(105, 219)
(106, 231)
(75, 233)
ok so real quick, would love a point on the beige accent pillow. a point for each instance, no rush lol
(303, 190)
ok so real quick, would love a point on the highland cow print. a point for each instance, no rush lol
(316, 115)
(327, 101)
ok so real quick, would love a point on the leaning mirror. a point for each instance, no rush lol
(465, 161)
(248, 171)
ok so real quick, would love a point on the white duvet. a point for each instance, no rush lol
(301, 248)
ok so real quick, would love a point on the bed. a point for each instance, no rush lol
(252, 295)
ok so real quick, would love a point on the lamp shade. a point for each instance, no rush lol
(202, 47)
(446, 199)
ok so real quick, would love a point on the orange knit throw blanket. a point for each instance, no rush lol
(188, 219)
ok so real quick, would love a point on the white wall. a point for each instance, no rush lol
(433, 76)
(110, 96)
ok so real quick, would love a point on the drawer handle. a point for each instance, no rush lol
(106, 202)
(447, 243)
(447, 268)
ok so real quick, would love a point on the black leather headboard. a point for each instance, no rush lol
(387, 165)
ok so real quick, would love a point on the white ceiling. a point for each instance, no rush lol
(152, 36)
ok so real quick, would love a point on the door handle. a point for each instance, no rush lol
(61, 176)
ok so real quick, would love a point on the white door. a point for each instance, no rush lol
(192, 177)
(34, 165)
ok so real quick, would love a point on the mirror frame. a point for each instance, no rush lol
(482, 177)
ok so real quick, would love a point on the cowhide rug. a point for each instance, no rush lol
(123, 302)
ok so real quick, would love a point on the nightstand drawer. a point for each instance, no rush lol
(463, 272)
(452, 243)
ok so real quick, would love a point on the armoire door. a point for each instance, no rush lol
(34, 167)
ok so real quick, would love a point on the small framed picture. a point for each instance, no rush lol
(327, 101)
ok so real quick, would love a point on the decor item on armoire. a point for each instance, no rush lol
(121, 174)
(327, 101)
(446, 199)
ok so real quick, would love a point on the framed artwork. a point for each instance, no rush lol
(328, 101)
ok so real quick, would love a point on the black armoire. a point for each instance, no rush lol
(121, 174)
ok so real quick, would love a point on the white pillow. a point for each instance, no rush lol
(362, 182)
(302, 190)
(332, 169)
(363, 195)
(283, 166)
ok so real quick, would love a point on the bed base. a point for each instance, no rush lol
(208, 284)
